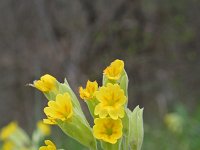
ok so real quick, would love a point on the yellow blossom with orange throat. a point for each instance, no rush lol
(112, 100)
(107, 129)
(46, 83)
(49, 146)
(89, 91)
(8, 130)
(114, 71)
(60, 109)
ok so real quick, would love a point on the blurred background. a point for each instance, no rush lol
(159, 41)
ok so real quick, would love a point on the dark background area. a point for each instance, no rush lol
(159, 41)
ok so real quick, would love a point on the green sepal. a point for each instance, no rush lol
(37, 136)
(136, 132)
(51, 95)
(106, 81)
(124, 143)
(20, 138)
(91, 106)
(126, 129)
(124, 83)
(109, 146)
(79, 131)
(63, 88)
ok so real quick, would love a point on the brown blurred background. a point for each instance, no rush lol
(159, 41)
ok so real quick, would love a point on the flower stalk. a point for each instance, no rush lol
(115, 126)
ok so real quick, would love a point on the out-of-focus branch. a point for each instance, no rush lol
(89, 8)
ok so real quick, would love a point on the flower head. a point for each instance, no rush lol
(43, 128)
(8, 130)
(8, 145)
(107, 129)
(46, 83)
(174, 122)
(49, 146)
(60, 109)
(88, 92)
(111, 100)
(114, 71)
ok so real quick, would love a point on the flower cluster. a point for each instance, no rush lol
(13, 137)
(115, 126)
(63, 109)
(8, 130)
(109, 108)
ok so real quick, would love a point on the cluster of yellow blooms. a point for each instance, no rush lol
(110, 107)
(115, 126)
(107, 105)
(6, 132)
(15, 138)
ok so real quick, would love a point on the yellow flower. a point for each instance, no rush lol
(111, 100)
(107, 129)
(114, 71)
(8, 130)
(46, 83)
(8, 145)
(88, 92)
(60, 109)
(50, 121)
(44, 129)
(174, 122)
(49, 146)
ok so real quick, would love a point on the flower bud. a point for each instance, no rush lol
(136, 132)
